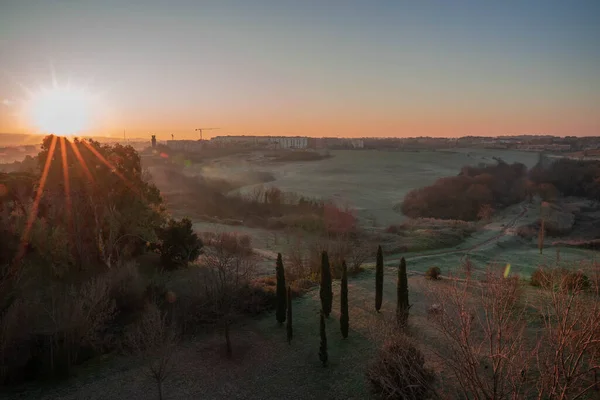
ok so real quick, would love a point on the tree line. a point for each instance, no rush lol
(477, 191)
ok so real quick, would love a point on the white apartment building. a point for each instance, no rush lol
(284, 142)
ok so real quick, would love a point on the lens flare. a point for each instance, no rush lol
(507, 270)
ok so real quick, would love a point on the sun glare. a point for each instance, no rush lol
(60, 110)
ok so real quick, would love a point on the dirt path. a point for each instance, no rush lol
(510, 224)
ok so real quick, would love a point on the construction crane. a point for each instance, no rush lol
(205, 129)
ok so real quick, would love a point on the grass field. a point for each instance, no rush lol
(374, 181)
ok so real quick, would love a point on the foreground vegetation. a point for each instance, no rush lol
(476, 334)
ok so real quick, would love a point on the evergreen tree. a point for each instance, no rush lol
(326, 292)
(288, 325)
(541, 237)
(323, 346)
(379, 279)
(344, 320)
(402, 305)
(281, 294)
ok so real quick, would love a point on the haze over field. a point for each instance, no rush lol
(372, 182)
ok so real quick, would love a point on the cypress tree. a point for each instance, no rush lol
(326, 292)
(323, 346)
(288, 324)
(379, 279)
(344, 320)
(541, 237)
(281, 294)
(402, 302)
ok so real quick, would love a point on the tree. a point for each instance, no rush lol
(288, 325)
(379, 279)
(231, 265)
(179, 243)
(402, 305)
(569, 361)
(323, 346)
(326, 292)
(153, 338)
(482, 326)
(98, 194)
(281, 294)
(541, 237)
(344, 319)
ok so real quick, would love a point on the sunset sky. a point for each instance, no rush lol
(316, 68)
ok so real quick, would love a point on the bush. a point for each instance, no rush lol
(399, 372)
(527, 232)
(540, 277)
(179, 244)
(433, 273)
(127, 288)
(559, 278)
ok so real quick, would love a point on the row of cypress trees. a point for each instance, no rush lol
(284, 297)
(402, 305)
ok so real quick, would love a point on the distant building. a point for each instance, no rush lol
(190, 146)
(283, 142)
(357, 143)
(545, 147)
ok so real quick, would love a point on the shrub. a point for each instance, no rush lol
(179, 244)
(559, 278)
(527, 232)
(127, 288)
(433, 273)
(399, 372)
(539, 277)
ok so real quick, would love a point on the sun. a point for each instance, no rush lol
(60, 110)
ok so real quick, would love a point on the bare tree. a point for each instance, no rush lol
(360, 251)
(569, 362)
(231, 264)
(483, 327)
(154, 339)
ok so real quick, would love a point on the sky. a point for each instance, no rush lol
(316, 68)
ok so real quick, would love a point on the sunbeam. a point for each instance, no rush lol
(65, 168)
(86, 170)
(36, 203)
(109, 165)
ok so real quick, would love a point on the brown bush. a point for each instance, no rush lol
(127, 288)
(559, 278)
(539, 277)
(399, 372)
(527, 232)
(433, 273)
